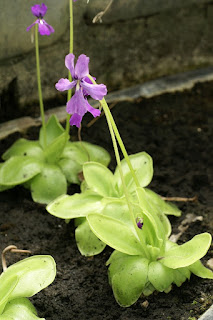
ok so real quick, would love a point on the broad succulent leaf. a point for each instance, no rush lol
(81, 152)
(75, 152)
(87, 242)
(99, 179)
(199, 270)
(49, 184)
(20, 309)
(180, 275)
(6, 288)
(143, 168)
(23, 147)
(149, 289)
(115, 233)
(117, 208)
(3, 187)
(165, 207)
(158, 220)
(128, 278)
(75, 206)
(19, 169)
(93, 152)
(34, 274)
(160, 276)
(53, 151)
(180, 256)
(53, 130)
(71, 169)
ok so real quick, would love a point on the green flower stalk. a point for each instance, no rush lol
(42, 27)
(69, 92)
(39, 86)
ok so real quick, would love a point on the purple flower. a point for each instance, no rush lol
(78, 105)
(139, 222)
(39, 12)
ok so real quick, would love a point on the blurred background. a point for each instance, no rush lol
(137, 41)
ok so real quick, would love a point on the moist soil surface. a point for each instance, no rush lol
(176, 130)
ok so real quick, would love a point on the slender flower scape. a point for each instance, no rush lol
(39, 12)
(78, 105)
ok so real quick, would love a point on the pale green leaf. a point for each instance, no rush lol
(99, 179)
(49, 184)
(20, 309)
(115, 233)
(6, 288)
(154, 252)
(160, 276)
(165, 207)
(3, 187)
(115, 256)
(71, 169)
(179, 277)
(199, 270)
(53, 151)
(185, 272)
(93, 152)
(187, 253)
(53, 130)
(87, 242)
(143, 168)
(75, 152)
(34, 274)
(128, 279)
(75, 206)
(148, 290)
(153, 227)
(18, 170)
(117, 209)
(23, 147)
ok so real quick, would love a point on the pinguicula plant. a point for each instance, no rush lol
(23, 280)
(130, 218)
(145, 260)
(101, 190)
(47, 166)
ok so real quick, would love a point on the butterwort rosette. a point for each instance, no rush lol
(78, 105)
(39, 12)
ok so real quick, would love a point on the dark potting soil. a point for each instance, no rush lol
(177, 131)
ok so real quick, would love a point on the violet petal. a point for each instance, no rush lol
(82, 66)
(69, 63)
(75, 120)
(38, 10)
(43, 9)
(96, 91)
(65, 84)
(93, 111)
(86, 79)
(77, 104)
(28, 28)
(44, 28)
